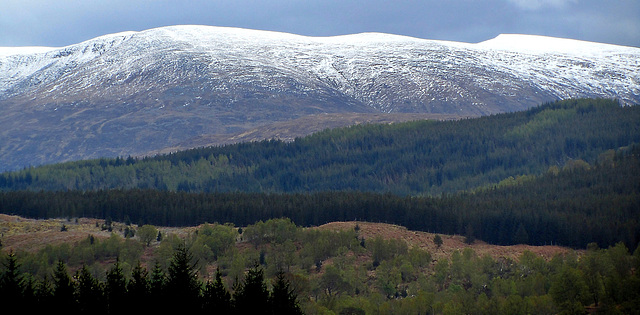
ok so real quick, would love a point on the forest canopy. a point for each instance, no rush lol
(413, 158)
(573, 206)
(276, 267)
(562, 173)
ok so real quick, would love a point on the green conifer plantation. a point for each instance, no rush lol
(565, 173)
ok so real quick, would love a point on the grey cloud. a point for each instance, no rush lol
(59, 23)
(541, 4)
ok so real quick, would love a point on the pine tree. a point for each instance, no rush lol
(44, 295)
(216, 298)
(252, 296)
(283, 300)
(28, 298)
(182, 281)
(138, 290)
(157, 289)
(11, 283)
(437, 240)
(116, 289)
(63, 289)
(89, 292)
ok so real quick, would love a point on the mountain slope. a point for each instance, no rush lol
(135, 92)
(573, 206)
(422, 157)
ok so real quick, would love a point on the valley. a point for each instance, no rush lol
(359, 174)
(484, 249)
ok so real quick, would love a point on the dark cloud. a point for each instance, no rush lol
(59, 23)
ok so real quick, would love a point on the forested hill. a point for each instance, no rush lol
(415, 158)
(572, 206)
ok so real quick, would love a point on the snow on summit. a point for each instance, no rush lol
(137, 92)
(389, 73)
(545, 44)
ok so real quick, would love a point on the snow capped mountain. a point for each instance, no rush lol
(386, 72)
(133, 92)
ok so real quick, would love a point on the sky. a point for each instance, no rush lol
(58, 23)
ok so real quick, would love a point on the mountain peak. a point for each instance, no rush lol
(545, 44)
(135, 92)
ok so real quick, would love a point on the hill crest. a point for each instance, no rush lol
(34, 234)
(136, 92)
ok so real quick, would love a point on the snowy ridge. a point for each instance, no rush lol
(135, 92)
(434, 71)
(552, 45)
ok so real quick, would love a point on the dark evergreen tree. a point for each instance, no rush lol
(89, 293)
(44, 295)
(437, 240)
(138, 290)
(11, 282)
(252, 296)
(283, 299)
(216, 298)
(64, 289)
(158, 289)
(115, 289)
(183, 284)
(29, 299)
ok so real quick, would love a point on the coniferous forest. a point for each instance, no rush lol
(581, 204)
(179, 289)
(413, 158)
(565, 173)
(542, 172)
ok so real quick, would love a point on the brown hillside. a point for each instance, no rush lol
(17, 233)
(450, 244)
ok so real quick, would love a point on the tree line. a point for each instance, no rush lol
(179, 289)
(571, 206)
(412, 158)
(276, 267)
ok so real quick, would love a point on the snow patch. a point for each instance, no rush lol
(544, 44)
(381, 70)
